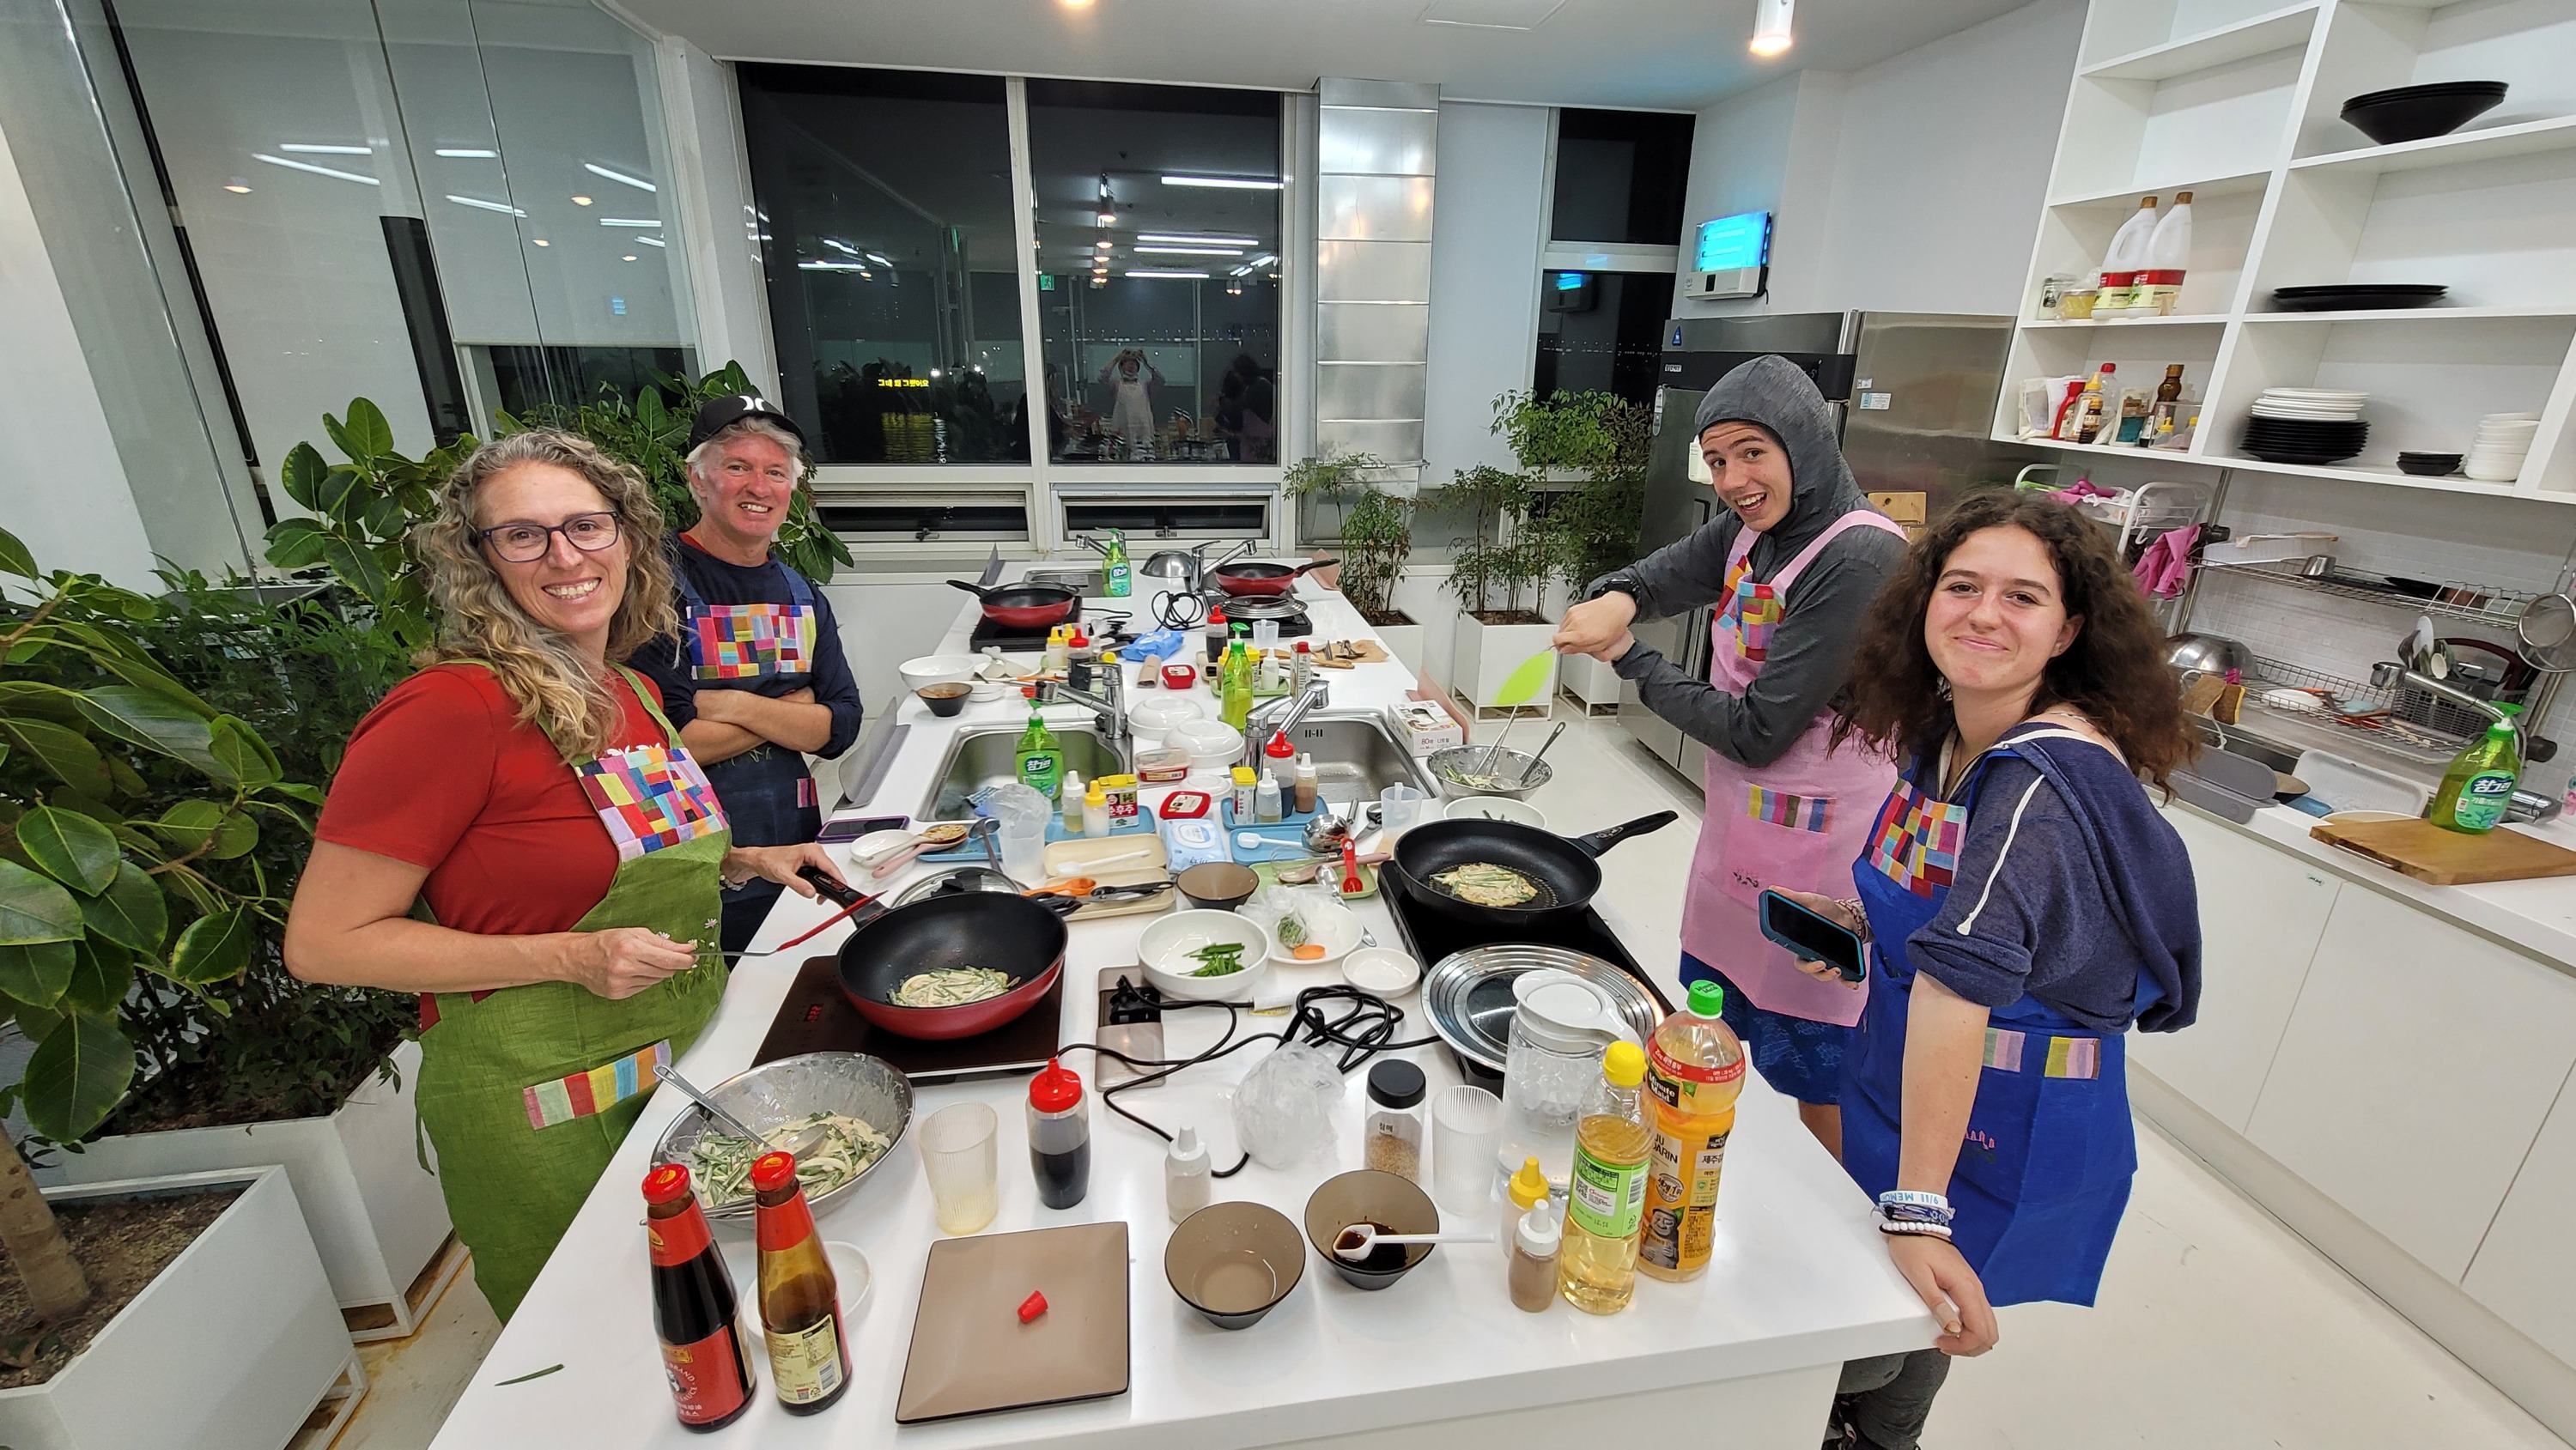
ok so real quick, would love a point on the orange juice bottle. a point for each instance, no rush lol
(1694, 1072)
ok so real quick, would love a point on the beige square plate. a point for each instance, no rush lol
(970, 1352)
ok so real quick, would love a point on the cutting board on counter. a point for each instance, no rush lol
(2438, 857)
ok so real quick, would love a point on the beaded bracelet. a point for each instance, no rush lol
(1928, 1230)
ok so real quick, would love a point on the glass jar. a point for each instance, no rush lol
(1560, 1025)
(1392, 1139)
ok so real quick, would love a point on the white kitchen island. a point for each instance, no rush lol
(1746, 1356)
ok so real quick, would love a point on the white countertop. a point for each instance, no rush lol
(1800, 1277)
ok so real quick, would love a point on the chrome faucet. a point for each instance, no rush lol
(2388, 675)
(1257, 730)
(1110, 705)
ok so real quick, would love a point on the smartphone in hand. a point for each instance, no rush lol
(1812, 937)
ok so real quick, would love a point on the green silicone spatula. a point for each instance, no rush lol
(1519, 688)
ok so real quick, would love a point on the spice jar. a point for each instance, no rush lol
(1393, 1136)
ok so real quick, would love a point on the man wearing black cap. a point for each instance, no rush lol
(757, 679)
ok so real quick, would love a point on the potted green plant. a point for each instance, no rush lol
(1598, 443)
(1495, 573)
(133, 811)
(1374, 538)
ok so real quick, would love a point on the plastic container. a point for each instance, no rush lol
(1059, 1135)
(1185, 1175)
(1265, 802)
(1279, 761)
(2159, 285)
(1301, 669)
(1039, 760)
(1095, 812)
(1163, 765)
(1605, 1207)
(1308, 784)
(1217, 634)
(1694, 1073)
(1533, 1246)
(1234, 685)
(1523, 1191)
(1391, 1137)
(2126, 257)
(1246, 782)
(1070, 796)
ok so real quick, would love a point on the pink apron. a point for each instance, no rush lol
(1796, 824)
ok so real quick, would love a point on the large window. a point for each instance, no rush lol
(885, 200)
(1620, 179)
(1158, 258)
(1620, 176)
(1601, 331)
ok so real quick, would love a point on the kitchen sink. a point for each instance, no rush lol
(2244, 746)
(1356, 756)
(1085, 582)
(978, 758)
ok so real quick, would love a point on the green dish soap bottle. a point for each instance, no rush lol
(2479, 784)
(1234, 682)
(1040, 758)
(1122, 580)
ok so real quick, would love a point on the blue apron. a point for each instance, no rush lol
(766, 792)
(2044, 1173)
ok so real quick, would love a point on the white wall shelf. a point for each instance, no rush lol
(2125, 197)
(2407, 314)
(2246, 39)
(2177, 320)
(2527, 138)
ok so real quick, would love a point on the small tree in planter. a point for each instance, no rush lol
(1376, 533)
(1601, 440)
(1505, 558)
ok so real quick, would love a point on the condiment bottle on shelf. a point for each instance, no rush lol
(800, 1300)
(1308, 781)
(1523, 1191)
(1392, 1137)
(1059, 1136)
(2092, 403)
(693, 1306)
(1185, 1175)
(1280, 761)
(1694, 1073)
(1597, 1267)
(1533, 1248)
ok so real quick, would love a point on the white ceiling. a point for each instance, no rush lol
(1676, 54)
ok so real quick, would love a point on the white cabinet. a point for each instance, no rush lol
(2417, 1067)
(2526, 1269)
(2262, 911)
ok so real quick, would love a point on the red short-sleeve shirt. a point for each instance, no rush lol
(444, 774)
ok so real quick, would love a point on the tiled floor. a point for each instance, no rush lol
(2217, 1327)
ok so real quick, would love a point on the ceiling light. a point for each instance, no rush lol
(308, 150)
(822, 266)
(1265, 259)
(1158, 272)
(1109, 218)
(1771, 27)
(879, 260)
(542, 242)
(620, 177)
(1104, 244)
(836, 244)
(581, 201)
(1235, 183)
(632, 223)
(650, 241)
(1098, 280)
(1190, 241)
(237, 187)
(629, 257)
(316, 170)
(481, 205)
(466, 153)
(1075, 4)
(1190, 251)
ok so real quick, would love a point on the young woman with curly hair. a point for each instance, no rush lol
(2025, 905)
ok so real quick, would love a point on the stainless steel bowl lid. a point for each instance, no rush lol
(1468, 995)
(963, 878)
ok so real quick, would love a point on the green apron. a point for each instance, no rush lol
(527, 1093)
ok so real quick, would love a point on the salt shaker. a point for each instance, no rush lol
(1393, 1136)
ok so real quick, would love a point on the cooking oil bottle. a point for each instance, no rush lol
(1695, 1071)
(2479, 784)
(1597, 1266)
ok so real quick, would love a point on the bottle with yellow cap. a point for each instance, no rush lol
(1597, 1267)
(1521, 1193)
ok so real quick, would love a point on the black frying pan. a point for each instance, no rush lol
(1564, 869)
(1020, 936)
(1024, 606)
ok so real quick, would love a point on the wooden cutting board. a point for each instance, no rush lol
(1368, 654)
(2438, 857)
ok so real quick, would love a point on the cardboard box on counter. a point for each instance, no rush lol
(1425, 726)
(1903, 508)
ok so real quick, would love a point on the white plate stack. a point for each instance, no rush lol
(2495, 455)
(2310, 405)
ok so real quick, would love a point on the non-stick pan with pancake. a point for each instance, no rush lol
(1565, 869)
(1021, 937)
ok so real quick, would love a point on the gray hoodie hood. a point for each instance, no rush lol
(1775, 393)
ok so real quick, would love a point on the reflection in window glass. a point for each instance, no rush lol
(1158, 255)
(1620, 176)
(885, 198)
(1601, 331)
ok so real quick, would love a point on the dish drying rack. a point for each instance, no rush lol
(2142, 515)
(2393, 721)
(2495, 608)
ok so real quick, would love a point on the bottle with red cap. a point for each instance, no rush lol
(1059, 1136)
(1282, 761)
(693, 1306)
(1216, 633)
(800, 1300)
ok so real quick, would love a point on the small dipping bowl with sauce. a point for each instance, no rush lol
(1234, 1262)
(1395, 1205)
(945, 699)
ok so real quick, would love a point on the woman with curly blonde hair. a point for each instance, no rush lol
(517, 835)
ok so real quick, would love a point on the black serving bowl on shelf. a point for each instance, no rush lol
(2414, 113)
(2428, 465)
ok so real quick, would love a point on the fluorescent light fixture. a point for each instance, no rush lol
(1177, 239)
(880, 261)
(466, 153)
(1232, 183)
(651, 241)
(1771, 27)
(1189, 251)
(310, 150)
(1158, 272)
(632, 223)
(481, 205)
(1242, 270)
(822, 266)
(1265, 259)
(620, 177)
(836, 244)
(316, 170)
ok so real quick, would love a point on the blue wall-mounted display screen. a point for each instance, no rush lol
(1741, 240)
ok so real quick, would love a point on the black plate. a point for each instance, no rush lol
(2416, 113)
(2272, 455)
(2357, 296)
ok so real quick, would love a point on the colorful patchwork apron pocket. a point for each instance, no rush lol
(1800, 812)
(2072, 1057)
(650, 798)
(587, 1094)
(1752, 612)
(750, 641)
(1916, 841)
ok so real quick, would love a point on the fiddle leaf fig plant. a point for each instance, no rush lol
(362, 513)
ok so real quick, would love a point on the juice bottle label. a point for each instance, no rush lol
(1606, 1200)
(2483, 798)
(806, 1363)
(706, 1378)
(1681, 1199)
(1688, 1088)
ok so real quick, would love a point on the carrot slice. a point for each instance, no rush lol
(1307, 951)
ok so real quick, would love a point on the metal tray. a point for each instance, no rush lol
(1468, 995)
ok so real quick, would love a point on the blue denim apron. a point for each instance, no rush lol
(767, 793)
(2044, 1172)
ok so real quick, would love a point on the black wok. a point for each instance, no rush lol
(1019, 936)
(1024, 606)
(1564, 869)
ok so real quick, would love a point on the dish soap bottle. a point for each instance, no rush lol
(1234, 685)
(1113, 564)
(2479, 784)
(1039, 761)
(1597, 1267)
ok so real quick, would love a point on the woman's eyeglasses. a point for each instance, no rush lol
(525, 543)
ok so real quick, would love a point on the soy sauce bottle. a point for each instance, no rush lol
(693, 1307)
(1059, 1136)
(800, 1300)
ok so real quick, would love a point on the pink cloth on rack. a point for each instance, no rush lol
(2165, 567)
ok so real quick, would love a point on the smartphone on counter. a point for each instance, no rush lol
(1812, 937)
(853, 827)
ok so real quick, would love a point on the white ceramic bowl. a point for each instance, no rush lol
(1165, 946)
(938, 670)
(1383, 970)
(1209, 742)
(1334, 928)
(1492, 808)
(1156, 715)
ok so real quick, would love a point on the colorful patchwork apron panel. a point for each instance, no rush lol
(651, 798)
(1798, 812)
(750, 641)
(588, 1094)
(1752, 611)
(1916, 841)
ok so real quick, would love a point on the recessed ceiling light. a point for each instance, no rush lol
(308, 166)
(542, 242)
(629, 257)
(237, 186)
(1771, 27)
(467, 153)
(313, 150)
(1104, 244)
(1075, 4)
(620, 177)
(581, 201)
(1233, 183)
(1109, 218)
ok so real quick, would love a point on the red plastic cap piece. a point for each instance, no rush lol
(772, 1170)
(667, 1183)
(1215, 615)
(1055, 1089)
(1279, 744)
(1032, 1307)
(1078, 641)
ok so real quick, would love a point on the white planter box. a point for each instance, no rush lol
(1589, 680)
(376, 1217)
(230, 1348)
(1482, 656)
(1404, 641)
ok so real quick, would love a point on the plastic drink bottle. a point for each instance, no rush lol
(2479, 784)
(1694, 1072)
(1597, 1265)
(2168, 253)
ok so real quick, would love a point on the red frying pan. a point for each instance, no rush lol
(1024, 606)
(1263, 578)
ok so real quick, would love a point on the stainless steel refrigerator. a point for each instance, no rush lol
(1914, 394)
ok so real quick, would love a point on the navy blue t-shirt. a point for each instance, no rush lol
(666, 661)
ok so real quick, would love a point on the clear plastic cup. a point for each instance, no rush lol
(1466, 1133)
(1399, 807)
(956, 1145)
(1024, 850)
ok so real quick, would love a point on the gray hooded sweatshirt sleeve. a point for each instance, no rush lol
(1809, 658)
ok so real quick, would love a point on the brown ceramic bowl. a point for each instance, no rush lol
(944, 700)
(1234, 1262)
(1395, 1205)
(1218, 885)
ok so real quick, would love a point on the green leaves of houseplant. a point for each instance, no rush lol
(1376, 533)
